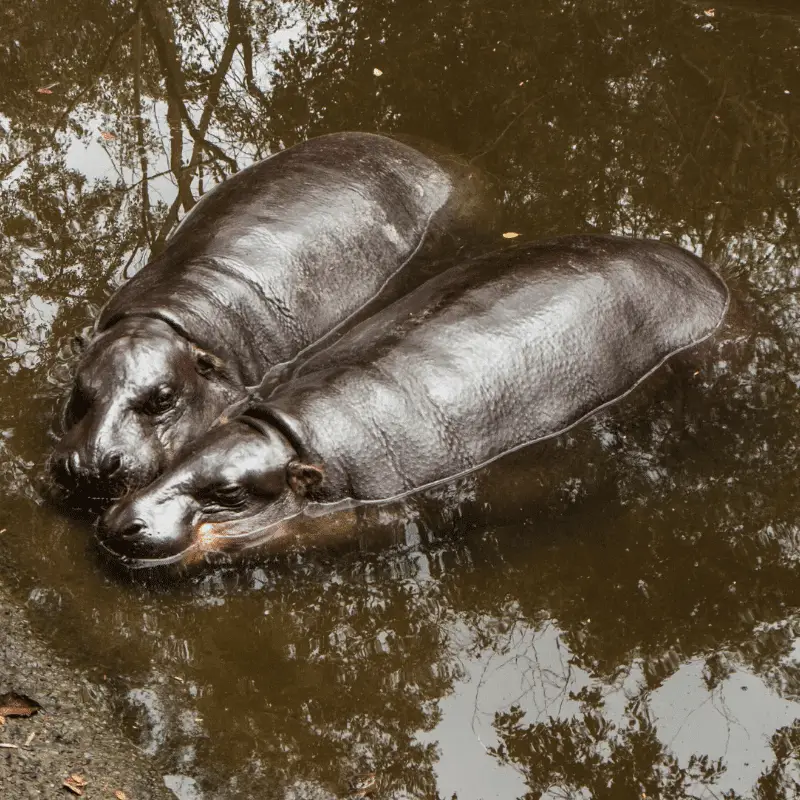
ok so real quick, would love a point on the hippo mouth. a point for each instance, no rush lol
(86, 497)
(187, 556)
(206, 540)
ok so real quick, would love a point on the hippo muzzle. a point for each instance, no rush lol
(140, 530)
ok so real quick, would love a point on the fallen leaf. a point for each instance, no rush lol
(30, 739)
(709, 12)
(2, 721)
(377, 72)
(510, 235)
(44, 90)
(120, 795)
(76, 784)
(108, 136)
(17, 705)
(9, 746)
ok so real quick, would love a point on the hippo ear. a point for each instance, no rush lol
(302, 478)
(207, 363)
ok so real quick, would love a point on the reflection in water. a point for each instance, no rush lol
(618, 608)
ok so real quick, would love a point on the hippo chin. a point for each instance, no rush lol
(268, 264)
(482, 360)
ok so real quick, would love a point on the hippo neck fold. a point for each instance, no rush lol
(263, 415)
(215, 307)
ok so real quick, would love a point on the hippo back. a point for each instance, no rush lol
(491, 356)
(277, 256)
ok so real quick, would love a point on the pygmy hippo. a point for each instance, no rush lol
(484, 359)
(265, 265)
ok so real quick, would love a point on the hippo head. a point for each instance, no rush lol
(237, 480)
(141, 392)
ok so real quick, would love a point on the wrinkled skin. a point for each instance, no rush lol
(235, 478)
(165, 390)
(484, 359)
(267, 265)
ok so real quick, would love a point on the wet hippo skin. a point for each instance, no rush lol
(267, 264)
(480, 361)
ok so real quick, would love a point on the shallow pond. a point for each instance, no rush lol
(613, 614)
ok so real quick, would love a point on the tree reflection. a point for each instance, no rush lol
(590, 754)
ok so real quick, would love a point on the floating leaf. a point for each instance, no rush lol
(17, 705)
(377, 72)
(510, 235)
(364, 785)
(76, 784)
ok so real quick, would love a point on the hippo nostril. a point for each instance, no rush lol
(67, 467)
(134, 529)
(111, 464)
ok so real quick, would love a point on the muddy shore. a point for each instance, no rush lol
(75, 733)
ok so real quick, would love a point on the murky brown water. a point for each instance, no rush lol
(616, 613)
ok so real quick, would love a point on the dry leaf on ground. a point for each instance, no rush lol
(17, 705)
(510, 235)
(76, 784)
(120, 795)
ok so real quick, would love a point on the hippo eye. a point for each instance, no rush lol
(161, 400)
(228, 495)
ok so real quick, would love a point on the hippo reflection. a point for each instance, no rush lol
(268, 263)
(482, 360)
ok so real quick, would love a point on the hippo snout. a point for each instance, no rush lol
(70, 468)
(67, 469)
(133, 534)
(77, 474)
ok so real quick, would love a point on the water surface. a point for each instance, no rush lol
(612, 614)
